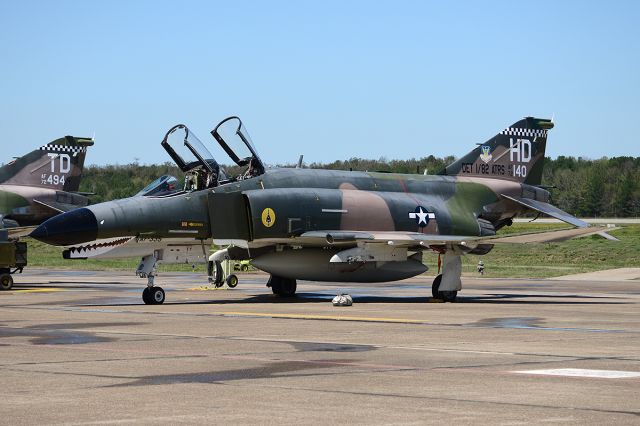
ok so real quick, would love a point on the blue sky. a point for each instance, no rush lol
(330, 80)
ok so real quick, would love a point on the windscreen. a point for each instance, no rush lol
(162, 186)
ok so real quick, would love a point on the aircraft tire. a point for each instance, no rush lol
(157, 295)
(146, 296)
(435, 286)
(446, 296)
(283, 287)
(244, 268)
(232, 281)
(6, 282)
(449, 296)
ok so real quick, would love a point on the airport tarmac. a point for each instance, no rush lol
(82, 348)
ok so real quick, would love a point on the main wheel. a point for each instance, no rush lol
(435, 286)
(6, 282)
(232, 281)
(447, 296)
(283, 287)
(146, 296)
(244, 268)
(157, 295)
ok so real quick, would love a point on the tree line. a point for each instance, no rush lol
(608, 187)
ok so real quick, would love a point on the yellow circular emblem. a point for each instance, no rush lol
(268, 217)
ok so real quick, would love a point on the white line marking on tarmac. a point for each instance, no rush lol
(579, 372)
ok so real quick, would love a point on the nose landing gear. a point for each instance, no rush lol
(151, 295)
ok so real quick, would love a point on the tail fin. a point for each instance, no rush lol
(516, 153)
(56, 165)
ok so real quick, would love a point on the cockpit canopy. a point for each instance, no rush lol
(187, 151)
(233, 137)
(200, 168)
(192, 157)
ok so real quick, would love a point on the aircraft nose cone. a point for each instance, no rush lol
(74, 227)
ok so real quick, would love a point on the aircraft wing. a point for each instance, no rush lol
(548, 209)
(409, 239)
(388, 237)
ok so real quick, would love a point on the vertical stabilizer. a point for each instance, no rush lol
(56, 165)
(516, 153)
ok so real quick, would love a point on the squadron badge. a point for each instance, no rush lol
(486, 155)
(268, 217)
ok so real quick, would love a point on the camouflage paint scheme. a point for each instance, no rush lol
(43, 183)
(339, 225)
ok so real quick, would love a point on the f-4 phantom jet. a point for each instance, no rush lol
(327, 225)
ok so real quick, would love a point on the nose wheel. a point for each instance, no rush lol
(153, 296)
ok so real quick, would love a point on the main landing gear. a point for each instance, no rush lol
(446, 285)
(151, 295)
(283, 287)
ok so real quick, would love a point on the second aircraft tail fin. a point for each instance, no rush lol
(56, 165)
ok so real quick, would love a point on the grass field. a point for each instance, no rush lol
(514, 260)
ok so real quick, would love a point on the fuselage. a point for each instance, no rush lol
(300, 200)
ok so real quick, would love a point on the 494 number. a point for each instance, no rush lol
(53, 179)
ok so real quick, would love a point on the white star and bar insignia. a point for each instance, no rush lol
(421, 216)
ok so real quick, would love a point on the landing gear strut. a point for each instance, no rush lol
(151, 295)
(216, 274)
(283, 287)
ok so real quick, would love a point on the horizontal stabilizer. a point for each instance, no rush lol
(554, 236)
(606, 236)
(549, 210)
(55, 206)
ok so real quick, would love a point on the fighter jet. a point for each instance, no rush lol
(42, 183)
(327, 225)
